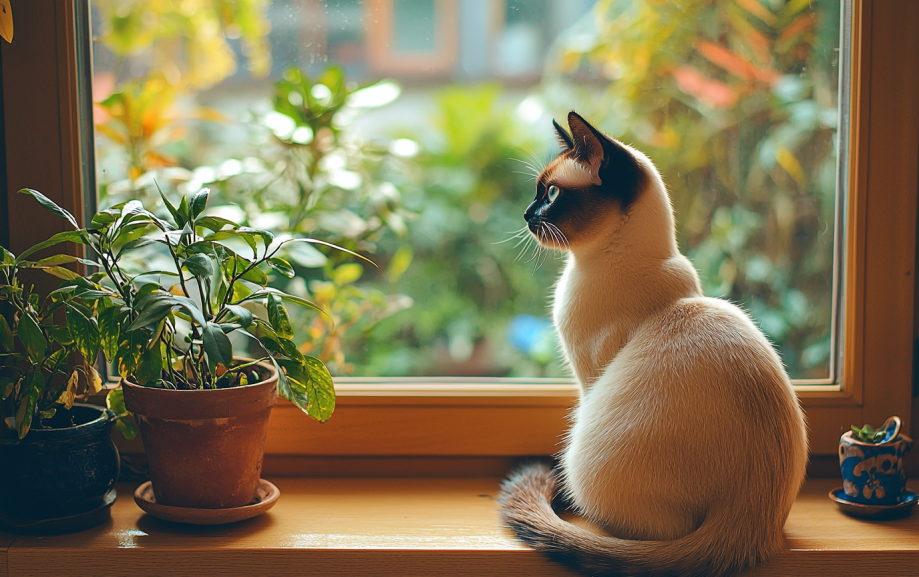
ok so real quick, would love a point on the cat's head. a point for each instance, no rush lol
(588, 188)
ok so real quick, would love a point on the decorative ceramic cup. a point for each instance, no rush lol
(873, 473)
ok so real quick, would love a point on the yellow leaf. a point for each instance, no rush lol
(791, 165)
(6, 20)
(95, 379)
(70, 393)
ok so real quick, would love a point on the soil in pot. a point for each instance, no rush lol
(205, 448)
(65, 470)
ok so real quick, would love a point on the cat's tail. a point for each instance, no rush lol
(715, 549)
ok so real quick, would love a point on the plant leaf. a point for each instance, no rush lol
(32, 338)
(85, 333)
(69, 394)
(61, 272)
(328, 244)
(149, 365)
(6, 335)
(217, 346)
(200, 265)
(277, 316)
(199, 202)
(311, 382)
(242, 314)
(50, 205)
(32, 386)
(61, 334)
(179, 221)
(110, 322)
(125, 423)
(66, 236)
(282, 266)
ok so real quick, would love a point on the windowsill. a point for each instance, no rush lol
(345, 526)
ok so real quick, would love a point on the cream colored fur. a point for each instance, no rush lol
(686, 416)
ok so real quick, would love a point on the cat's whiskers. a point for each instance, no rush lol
(521, 234)
(563, 240)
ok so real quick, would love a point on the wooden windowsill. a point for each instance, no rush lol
(385, 526)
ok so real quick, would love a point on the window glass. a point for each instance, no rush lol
(408, 130)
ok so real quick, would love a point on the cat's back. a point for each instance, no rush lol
(705, 357)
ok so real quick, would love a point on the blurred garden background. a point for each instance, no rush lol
(401, 129)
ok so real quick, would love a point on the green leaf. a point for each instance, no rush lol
(85, 333)
(66, 236)
(217, 346)
(149, 365)
(288, 297)
(277, 316)
(130, 349)
(257, 276)
(242, 314)
(184, 212)
(199, 202)
(110, 323)
(289, 349)
(33, 384)
(328, 244)
(7, 385)
(125, 420)
(311, 387)
(61, 334)
(135, 244)
(214, 223)
(61, 272)
(282, 266)
(176, 215)
(32, 338)
(6, 335)
(60, 259)
(200, 265)
(51, 206)
(8, 257)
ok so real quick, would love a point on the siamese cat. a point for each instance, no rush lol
(687, 445)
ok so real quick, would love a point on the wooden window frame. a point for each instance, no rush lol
(490, 421)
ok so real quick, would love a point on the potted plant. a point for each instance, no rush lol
(59, 463)
(871, 461)
(169, 333)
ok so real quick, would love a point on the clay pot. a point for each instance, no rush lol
(205, 448)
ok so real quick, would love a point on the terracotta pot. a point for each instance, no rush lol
(205, 448)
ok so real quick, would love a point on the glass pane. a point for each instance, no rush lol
(403, 129)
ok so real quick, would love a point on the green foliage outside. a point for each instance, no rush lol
(735, 103)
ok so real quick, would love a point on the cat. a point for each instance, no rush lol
(688, 445)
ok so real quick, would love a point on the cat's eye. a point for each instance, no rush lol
(553, 193)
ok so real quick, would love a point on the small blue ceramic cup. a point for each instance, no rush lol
(873, 473)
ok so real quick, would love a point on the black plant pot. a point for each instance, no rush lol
(60, 479)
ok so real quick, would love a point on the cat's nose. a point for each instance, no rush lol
(530, 212)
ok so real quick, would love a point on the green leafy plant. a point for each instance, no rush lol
(38, 337)
(171, 327)
(869, 434)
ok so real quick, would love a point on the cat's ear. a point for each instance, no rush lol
(605, 156)
(562, 137)
(588, 143)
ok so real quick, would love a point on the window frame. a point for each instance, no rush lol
(488, 421)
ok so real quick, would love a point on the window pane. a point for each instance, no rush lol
(408, 129)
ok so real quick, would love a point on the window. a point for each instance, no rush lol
(498, 418)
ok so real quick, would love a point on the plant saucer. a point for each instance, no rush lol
(901, 509)
(265, 498)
